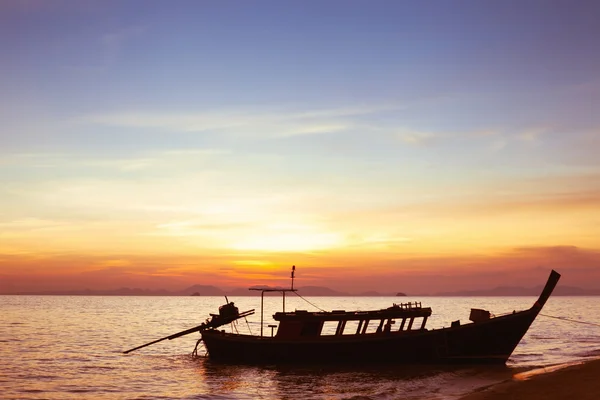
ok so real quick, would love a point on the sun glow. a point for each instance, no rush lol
(222, 180)
(289, 242)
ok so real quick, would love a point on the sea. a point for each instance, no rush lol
(71, 347)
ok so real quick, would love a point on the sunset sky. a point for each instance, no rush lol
(412, 146)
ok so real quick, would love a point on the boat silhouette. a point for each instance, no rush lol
(396, 334)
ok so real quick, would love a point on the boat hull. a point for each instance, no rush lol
(487, 342)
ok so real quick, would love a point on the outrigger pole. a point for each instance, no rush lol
(173, 336)
(214, 322)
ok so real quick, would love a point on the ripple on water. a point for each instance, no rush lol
(589, 353)
(77, 354)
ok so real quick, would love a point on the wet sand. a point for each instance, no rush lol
(575, 381)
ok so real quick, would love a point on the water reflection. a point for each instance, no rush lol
(62, 347)
(334, 381)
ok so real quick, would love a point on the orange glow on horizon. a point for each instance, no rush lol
(356, 272)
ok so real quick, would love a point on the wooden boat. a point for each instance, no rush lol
(393, 335)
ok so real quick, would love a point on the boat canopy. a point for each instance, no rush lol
(405, 310)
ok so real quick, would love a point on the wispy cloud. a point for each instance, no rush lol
(196, 227)
(246, 123)
(532, 135)
(418, 138)
(498, 145)
(142, 160)
(429, 137)
(27, 225)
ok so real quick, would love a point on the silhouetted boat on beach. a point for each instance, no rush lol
(392, 335)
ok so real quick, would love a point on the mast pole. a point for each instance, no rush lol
(262, 308)
(293, 270)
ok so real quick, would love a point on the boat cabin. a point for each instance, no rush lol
(304, 324)
(301, 323)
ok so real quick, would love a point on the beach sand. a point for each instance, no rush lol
(577, 381)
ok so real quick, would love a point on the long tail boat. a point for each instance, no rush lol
(392, 335)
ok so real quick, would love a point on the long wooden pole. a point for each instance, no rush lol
(262, 310)
(170, 337)
(214, 323)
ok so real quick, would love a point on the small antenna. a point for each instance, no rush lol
(293, 270)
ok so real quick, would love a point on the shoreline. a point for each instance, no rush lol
(577, 380)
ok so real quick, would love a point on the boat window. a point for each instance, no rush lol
(372, 327)
(329, 328)
(417, 324)
(350, 328)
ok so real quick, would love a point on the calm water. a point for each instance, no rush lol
(62, 347)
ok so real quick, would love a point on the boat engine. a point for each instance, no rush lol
(229, 310)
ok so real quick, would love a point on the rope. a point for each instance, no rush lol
(195, 352)
(234, 326)
(248, 325)
(570, 320)
(317, 307)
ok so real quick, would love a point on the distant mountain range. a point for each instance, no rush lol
(209, 290)
(201, 290)
(521, 291)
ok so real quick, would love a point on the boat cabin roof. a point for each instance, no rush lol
(406, 310)
(271, 289)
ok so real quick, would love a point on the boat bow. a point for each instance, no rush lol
(548, 289)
